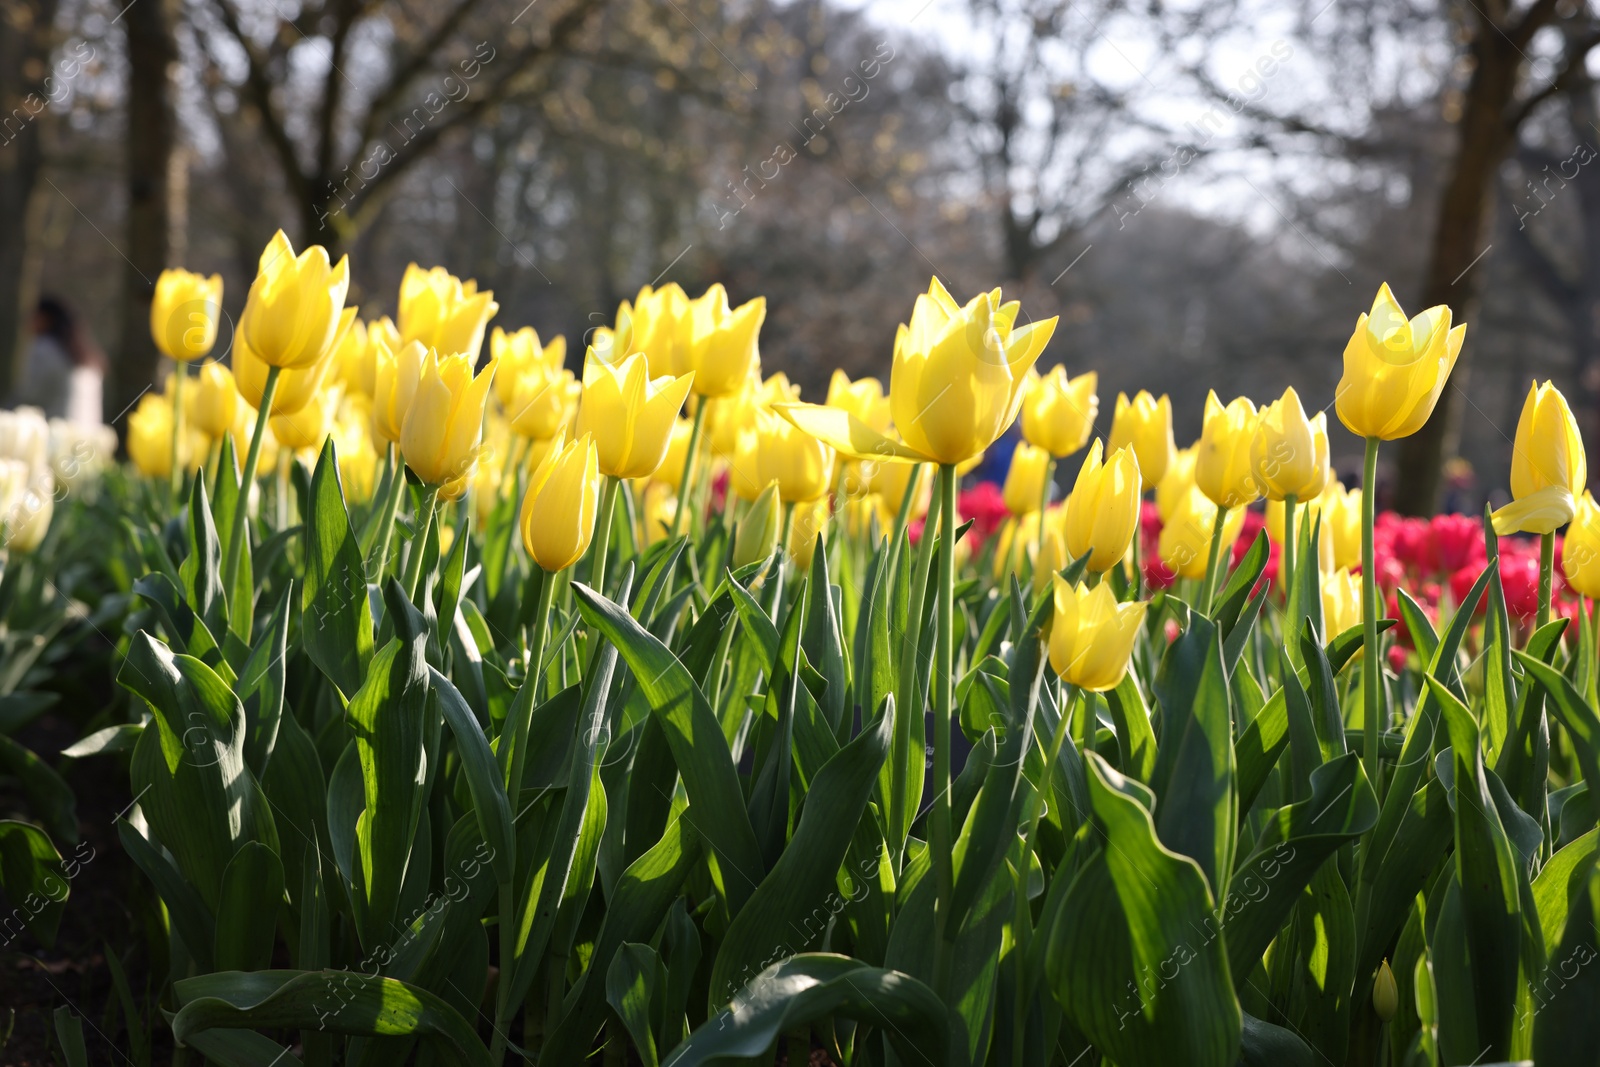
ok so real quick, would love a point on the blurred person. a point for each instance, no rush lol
(65, 372)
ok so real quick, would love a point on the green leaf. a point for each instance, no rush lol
(1559, 881)
(1231, 601)
(1136, 741)
(69, 1031)
(1564, 1001)
(490, 807)
(201, 570)
(811, 987)
(191, 918)
(261, 684)
(49, 792)
(633, 981)
(33, 879)
(247, 912)
(1264, 1045)
(1128, 959)
(1573, 712)
(335, 614)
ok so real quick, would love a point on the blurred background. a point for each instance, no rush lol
(1207, 193)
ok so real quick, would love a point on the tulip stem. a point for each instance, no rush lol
(1547, 567)
(685, 480)
(230, 570)
(179, 373)
(1044, 493)
(419, 544)
(909, 701)
(602, 540)
(1371, 669)
(519, 725)
(1208, 591)
(1290, 607)
(903, 517)
(397, 488)
(939, 822)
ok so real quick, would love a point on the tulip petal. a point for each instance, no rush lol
(848, 434)
(1541, 513)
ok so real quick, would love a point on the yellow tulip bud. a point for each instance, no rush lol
(443, 312)
(670, 472)
(889, 479)
(27, 500)
(440, 435)
(958, 373)
(1394, 370)
(542, 402)
(358, 460)
(1185, 542)
(757, 535)
(1017, 542)
(1385, 996)
(351, 359)
(216, 402)
(1548, 466)
(310, 425)
(1176, 483)
(1051, 558)
(1580, 553)
(629, 415)
(657, 507)
(1341, 516)
(150, 438)
(1058, 413)
(1145, 425)
(744, 467)
(1025, 480)
(562, 501)
(862, 398)
(184, 312)
(1289, 453)
(1341, 603)
(810, 523)
(395, 377)
(360, 372)
(724, 345)
(295, 313)
(801, 465)
(657, 325)
(520, 353)
(1222, 467)
(1091, 635)
(1103, 510)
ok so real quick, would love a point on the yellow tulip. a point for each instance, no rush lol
(809, 523)
(724, 345)
(744, 467)
(1016, 542)
(150, 438)
(1025, 479)
(241, 433)
(380, 335)
(1185, 542)
(396, 377)
(358, 460)
(309, 426)
(184, 313)
(443, 312)
(657, 506)
(1341, 516)
(670, 472)
(1145, 425)
(295, 313)
(521, 353)
(439, 438)
(659, 327)
(1091, 635)
(1394, 370)
(1222, 467)
(862, 398)
(1580, 553)
(1321, 509)
(629, 415)
(351, 358)
(857, 514)
(296, 385)
(562, 501)
(542, 402)
(216, 402)
(1058, 413)
(727, 416)
(1289, 453)
(1548, 465)
(1051, 558)
(757, 535)
(1103, 510)
(801, 465)
(1177, 481)
(889, 480)
(1341, 603)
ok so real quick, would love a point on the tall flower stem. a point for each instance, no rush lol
(419, 546)
(1290, 606)
(1371, 669)
(1547, 569)
(940, 838)
(397, 489)
(602, 535)
(686, 480)
(179, 373)
(908, 699)
(902, 518)
(230, 570)
(1213, 560)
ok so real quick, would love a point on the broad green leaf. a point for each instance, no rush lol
(1559, 882)
(247, 912)
(1564, 1000)
(191, 918)
(489, 804)
(1136, 741)
(634, 980)
(335, 613)
(48, 793)
(33, 879)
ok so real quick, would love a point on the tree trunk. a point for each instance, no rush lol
(27, 37)
(1454, 273)
(151, 144)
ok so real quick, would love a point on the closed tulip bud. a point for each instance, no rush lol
(520, 353)
(729, 416)
(542, 402)
(380, 335)
(215, 406)
(958, 372)
(350, 359)
(184, 312)
(295, 313)
(1144, 424)
(1548, 466)
(439, 438)
(724, 345)
(757, 535)
(1025, 480)
(1580, 552)
(1341, 603)
(862, 398)
(562, 501)
(809, 524)
(309, 426)
(1222, 467)
(889, 480)
(1091, 635)
(443, 312)
(1103, 510)
(27, 500)
(1385, 996)
(671, 470)
(1289, 453)
(801, 465)
(1052, 556)
(25, 435)
(296, 386)
(1176, 483)
(1394, 370)
(149, 440)
(630, 415)
(1185, 542)
(396, 377)
(358, 460)
(744, 467)
(1341, 516)
(659, 327)
(1058, 413)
